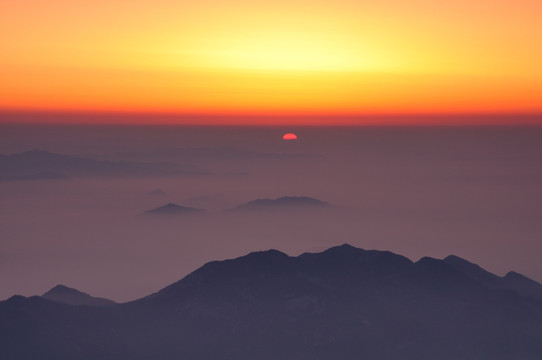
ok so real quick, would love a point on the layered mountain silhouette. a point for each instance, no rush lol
(173, 209)
(70, 296)
(343, 303)
(30, 163)
(285, 202)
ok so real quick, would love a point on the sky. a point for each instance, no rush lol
(271, 58)
(287, 66)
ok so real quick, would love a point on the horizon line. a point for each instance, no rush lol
(67, 117)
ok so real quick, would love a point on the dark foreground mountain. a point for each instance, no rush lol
(173, 209)
(343, 303)
(70, 296)
(285, 202)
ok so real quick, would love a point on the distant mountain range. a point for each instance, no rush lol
(282, 203)
(218, 153)
(66, 295)
(44, 165)
(344, 303)
(30, 164)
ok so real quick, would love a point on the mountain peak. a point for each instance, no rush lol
(345, 247)
(516, 275)
(171, 208)
(71, 296)
(267, 254)
(523, 285)
(61, 289)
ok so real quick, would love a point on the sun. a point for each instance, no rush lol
(289, 136)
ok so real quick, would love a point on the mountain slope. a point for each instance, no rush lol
(512, 281)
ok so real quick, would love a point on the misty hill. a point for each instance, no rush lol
(344, 303)
(173, 209)
(46, 175)
(218, 153)
(66, 295)
(513, 281)
(285, 202)
(37, 161)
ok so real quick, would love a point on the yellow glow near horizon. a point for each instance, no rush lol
(287, 49)
(282, 52)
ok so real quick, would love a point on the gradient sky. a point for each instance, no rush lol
(271, 57)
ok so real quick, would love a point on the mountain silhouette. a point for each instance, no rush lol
(285, 202)
(66, 295)
(173, 209)
(343, 303)
(36, 161)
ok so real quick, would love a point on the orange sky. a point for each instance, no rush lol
(271, 57)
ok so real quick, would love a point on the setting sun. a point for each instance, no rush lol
(289, 136)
